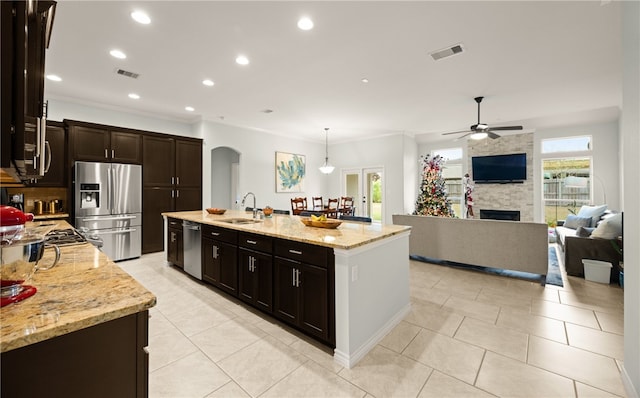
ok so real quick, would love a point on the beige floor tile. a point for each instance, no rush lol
(192, 376)
(229, 390)
(506, 377)
(609, 344)
(400, 337)
(432, 317)
(565, 312)
(440, 385)
(612, 323)
(384, 373)
(585, 391)
(429, 296)
(548, 328)
(584, 366)
(505, 299)
(312, 380)
(473, 309)
(453, 357)
(323, 356)
(168, 347)
(262, 364)
(199, 318)
(227, 338)
(612, 306)
(278, 330)
(458, 286)
(508, 342)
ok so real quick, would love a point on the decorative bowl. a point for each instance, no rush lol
(330, 224)
(214, 210)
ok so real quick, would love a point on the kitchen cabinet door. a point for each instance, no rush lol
(220, 265)
(158, 154)
(255, 279)
(57, 174)
(175, 243)
(155, 201)
(188, 163)
(188, 199)
(126, 147)
(90, 144)
(285, 292)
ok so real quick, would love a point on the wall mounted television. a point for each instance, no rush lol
(499, 169)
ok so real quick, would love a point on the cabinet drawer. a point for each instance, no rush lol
(310, 254)
(221, 234)
(174, 223)
(255, 242)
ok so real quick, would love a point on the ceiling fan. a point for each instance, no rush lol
(480, 130)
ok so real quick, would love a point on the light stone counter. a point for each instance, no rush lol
(348, 235)
(86, 288)
(371, 273)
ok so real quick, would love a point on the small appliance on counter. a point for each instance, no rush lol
(20, 252)
(17, 201)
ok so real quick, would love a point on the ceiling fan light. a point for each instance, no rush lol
(479, 135)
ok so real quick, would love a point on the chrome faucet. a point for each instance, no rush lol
(255, 210)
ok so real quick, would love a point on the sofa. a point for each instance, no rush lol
(577, 241)
(511, 245)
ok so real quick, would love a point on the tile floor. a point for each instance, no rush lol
(468, 334)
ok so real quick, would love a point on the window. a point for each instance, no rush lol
(566, 182)
(452, 175)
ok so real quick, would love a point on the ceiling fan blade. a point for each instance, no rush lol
(458, 132)
(492, 135)
(463, 136)
(503, 128)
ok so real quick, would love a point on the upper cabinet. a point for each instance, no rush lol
(95, 143)
(26, 30)
(56, 175)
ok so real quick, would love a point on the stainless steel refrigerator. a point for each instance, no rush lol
(108, 203)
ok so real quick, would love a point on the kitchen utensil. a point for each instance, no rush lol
(38, 207)
(12, 223)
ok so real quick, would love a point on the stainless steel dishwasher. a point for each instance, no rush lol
(192, 251)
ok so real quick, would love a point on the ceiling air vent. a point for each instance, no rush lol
(127, 73)
(447, 52)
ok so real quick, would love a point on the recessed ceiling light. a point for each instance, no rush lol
(208, 82)
(305, 23)
(54, 78)
(118, 54)
(134, 96)
(364, 80)
(141, 17)
(189, 108)
(242, 60)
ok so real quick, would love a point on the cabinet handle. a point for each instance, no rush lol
(295, 252)
(293, 277)
(177, 193)
(177, 180)
(297, 278)
(113, 153)
(252, 242)
(171, 180)
(173, 236)
(172, 194)
(106, 153)
(215, 233)
(215, 252)
(38, 139)
(47, 150)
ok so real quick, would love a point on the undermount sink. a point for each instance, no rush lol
(240, 221)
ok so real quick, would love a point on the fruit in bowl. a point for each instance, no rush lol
(215, 210)
(267, 211)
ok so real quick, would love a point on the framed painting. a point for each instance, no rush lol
(290, 171)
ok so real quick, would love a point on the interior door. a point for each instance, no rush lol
(366, 186)
(351, 186)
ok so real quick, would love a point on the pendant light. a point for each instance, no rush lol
(326, 168)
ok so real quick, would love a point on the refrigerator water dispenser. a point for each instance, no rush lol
(90, 196)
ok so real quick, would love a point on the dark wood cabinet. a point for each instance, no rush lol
(96, 143)
(175, 242)
(172, 169)
(255, 270)
(105, 360)
(302, 288)
(220, 258)
(56, 176)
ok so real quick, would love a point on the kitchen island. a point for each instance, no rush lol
(82, 334)
(367, 267)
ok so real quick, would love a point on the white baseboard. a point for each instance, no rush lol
(349, 361)
(628, 385)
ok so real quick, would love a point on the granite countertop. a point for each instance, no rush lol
(50, 216)
(348, 235)
(86, 288)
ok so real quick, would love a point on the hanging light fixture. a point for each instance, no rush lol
(326, 168)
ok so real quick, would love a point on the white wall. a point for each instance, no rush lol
(411, 171)
(630, 136)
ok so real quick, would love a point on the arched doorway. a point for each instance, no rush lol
(225, 163)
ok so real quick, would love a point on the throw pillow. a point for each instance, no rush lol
(584, 232)
(610, 228)
(595, 212)
(574, 222)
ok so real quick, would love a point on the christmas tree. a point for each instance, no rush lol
(433, 200)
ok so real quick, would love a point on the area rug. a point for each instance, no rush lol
(554, 275)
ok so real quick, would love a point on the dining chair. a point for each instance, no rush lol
(317, 203)
(332, 208)
(298, 205)
(346, 205)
